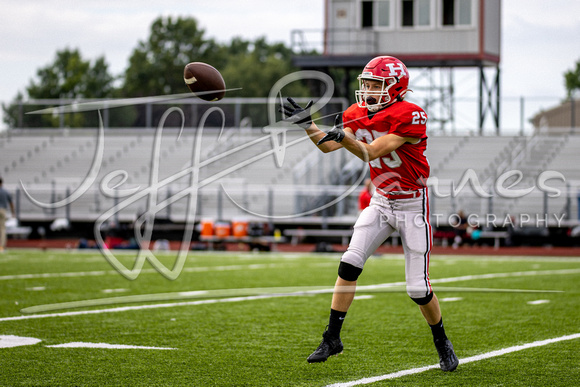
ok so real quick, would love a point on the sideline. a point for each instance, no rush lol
(483, 356)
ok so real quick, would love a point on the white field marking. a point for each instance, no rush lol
(507, 258)
(276, 265)
(538, 302)
(364, 297)
(271, 255)
(477, 277)
(36, 288)
(107, 291)
(56, 275)
(193, 293)
(141, 307)
(97, 273)
(175, 297)
(104, 345)
(451, 299)
(290, 291)
(294, 255)
(471, 359)
(255, 294)
(286, 292)
(10, 341)
(505, 275)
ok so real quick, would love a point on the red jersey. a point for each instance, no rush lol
(407, 167)
(364, 199)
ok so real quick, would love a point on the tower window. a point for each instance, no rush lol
(456, 12)
(375, 13)
(408, 6)
(415, 13)
(367, 14)
(448, 12)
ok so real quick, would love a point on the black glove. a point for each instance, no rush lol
(295, 114)
(334, 134)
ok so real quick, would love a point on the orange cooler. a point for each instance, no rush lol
(206, 228)
(222, 229)
(240, 228)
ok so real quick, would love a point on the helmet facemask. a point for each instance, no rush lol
(374, 100)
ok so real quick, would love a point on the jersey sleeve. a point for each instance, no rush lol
(348, 117)
(410, 122)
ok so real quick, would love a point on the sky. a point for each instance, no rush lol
(540, 38)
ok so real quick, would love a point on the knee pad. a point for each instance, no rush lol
(348, 272)
(423, 300)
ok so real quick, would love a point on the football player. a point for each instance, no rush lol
(389, 133)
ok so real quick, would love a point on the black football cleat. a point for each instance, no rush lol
(329, 346)
(447, 359)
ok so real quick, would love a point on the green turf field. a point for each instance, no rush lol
(252, 319)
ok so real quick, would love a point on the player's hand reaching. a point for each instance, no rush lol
(335, 134)
(296, 114)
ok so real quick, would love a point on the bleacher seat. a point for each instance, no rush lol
(53, 163)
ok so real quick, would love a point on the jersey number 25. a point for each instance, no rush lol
(419, 118)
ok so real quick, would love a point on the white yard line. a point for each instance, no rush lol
(97, 273)
(478, 277)
(56, 275)
(276, 265)
(140, 307)
(505, 275)
(104, 346)
(483, 356)
(538, 302)
(287, 256)
(282, 293)
(451, 299)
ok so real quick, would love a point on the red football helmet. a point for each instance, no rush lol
(394, 77)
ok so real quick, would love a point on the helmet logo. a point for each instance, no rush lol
(397, 70)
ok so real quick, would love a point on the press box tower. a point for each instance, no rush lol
(432, 34)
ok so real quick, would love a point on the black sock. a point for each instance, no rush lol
(438, 331)
(335, 322)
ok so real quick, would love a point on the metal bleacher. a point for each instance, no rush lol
(509, 169)
(239, 175)
(241, 164)
(464, 165)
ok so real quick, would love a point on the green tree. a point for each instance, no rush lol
(258, 67)
(572, 79)
(156, 65)
(255, 67)
(69, 76)
(156, 68)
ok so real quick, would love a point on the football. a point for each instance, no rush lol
(204, 81)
